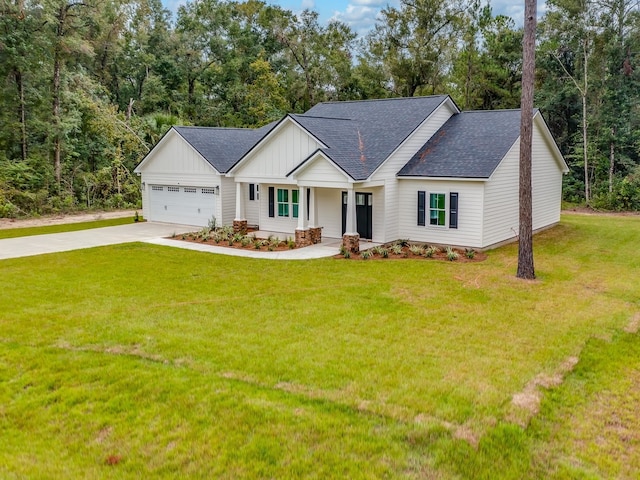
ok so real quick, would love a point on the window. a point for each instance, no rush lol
(209, 191)
(157, 188)
(173, 189)
(283, 202)
(294, 201)
(437, 210)
(253, 192)
(272, 201)
(190, 190)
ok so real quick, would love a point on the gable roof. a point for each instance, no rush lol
(469, 145)
(222, 147)
(360, 135)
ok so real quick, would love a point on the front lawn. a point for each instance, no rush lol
(138, 360)
(63, 227)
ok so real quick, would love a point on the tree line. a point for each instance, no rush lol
(88, 86)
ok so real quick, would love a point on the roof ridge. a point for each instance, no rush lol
(491, 111)
(200, 127)
(322, 117)
(381, 99)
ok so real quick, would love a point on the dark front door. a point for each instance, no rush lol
(364, 214)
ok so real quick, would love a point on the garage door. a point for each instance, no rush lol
(183, 205)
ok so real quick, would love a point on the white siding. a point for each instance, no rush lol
(321, 172)
(546, 183)
(276, 223)
(501, 200)
(329, 202)
(286, 149)
(252, 207)
(399, 159)
(501, 217)
(468, 233)
(227, 208)
(174, 155)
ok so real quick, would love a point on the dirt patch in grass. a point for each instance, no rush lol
(62, 219)
(634, 324)
(527, 402)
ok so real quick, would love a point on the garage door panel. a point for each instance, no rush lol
(183, 205)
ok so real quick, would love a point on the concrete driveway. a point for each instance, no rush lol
(97, 237)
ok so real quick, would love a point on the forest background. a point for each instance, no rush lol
(87, 87)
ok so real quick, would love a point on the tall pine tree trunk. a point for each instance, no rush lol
(17, 74)
(57, 66)
(525, 248)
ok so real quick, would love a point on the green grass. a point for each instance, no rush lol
(138, 360)
(66, 227)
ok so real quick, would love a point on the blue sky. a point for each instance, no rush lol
(361, 14)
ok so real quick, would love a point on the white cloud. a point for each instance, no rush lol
(360, 18)
(307, 4)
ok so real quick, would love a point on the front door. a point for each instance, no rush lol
(364, 214)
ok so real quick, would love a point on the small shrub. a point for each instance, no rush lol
(403, 242)
(346, 253)
(291, 243)
(257, 244)
(452, 255)
(384, 253)
(429, 252)
(237, 237)
(366, 254)
(213, 223)
(246, 240)
(396, 248)
(416, 249)
(378, 250)
(136, 217)
(274, 242)
(230, 242)
(470, 253)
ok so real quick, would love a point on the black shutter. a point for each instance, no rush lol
(453, 210)
(272, 201)
(252, 191)
(422, 202)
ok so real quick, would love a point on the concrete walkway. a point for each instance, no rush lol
(149, 232)
(321, 250)
(96, 237)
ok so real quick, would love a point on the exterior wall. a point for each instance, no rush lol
(276, 223)
(175, 162)
(252, 207)
(320, 172)
(227, 202)
(546, 184)
(388, 171)
(501, 216)
(470, 206)
(329, 201)
(286, 149)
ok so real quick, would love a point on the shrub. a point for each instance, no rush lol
(416, 249)
(346, 253)
(429, 252)
(469, 253)
(452, 255)
(385, 253)
(366, 254)
(246, 240)
(396, 248)
(291, 243)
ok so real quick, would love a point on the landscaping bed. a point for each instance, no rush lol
(226, 237)
(402, 249)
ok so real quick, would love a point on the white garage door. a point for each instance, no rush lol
(183, 205)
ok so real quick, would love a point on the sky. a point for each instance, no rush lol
(361, 14)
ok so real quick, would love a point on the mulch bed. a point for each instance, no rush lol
(407, 254)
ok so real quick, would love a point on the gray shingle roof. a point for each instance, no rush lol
(222, 147)
(468, 145)
(360, 135)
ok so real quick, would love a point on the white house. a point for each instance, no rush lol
(412, 168)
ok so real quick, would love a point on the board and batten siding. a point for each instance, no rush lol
(399, 159)
(469, 231)
(280, 154)
(321, 172)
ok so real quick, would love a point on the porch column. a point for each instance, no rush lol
(240, 222)
(302, 209)
(313, 209)
(352, 228)
(351, 238)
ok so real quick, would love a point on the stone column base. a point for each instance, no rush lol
(240, 226)
(307, 237)
(351, 243)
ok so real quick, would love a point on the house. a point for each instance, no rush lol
(415, 168)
